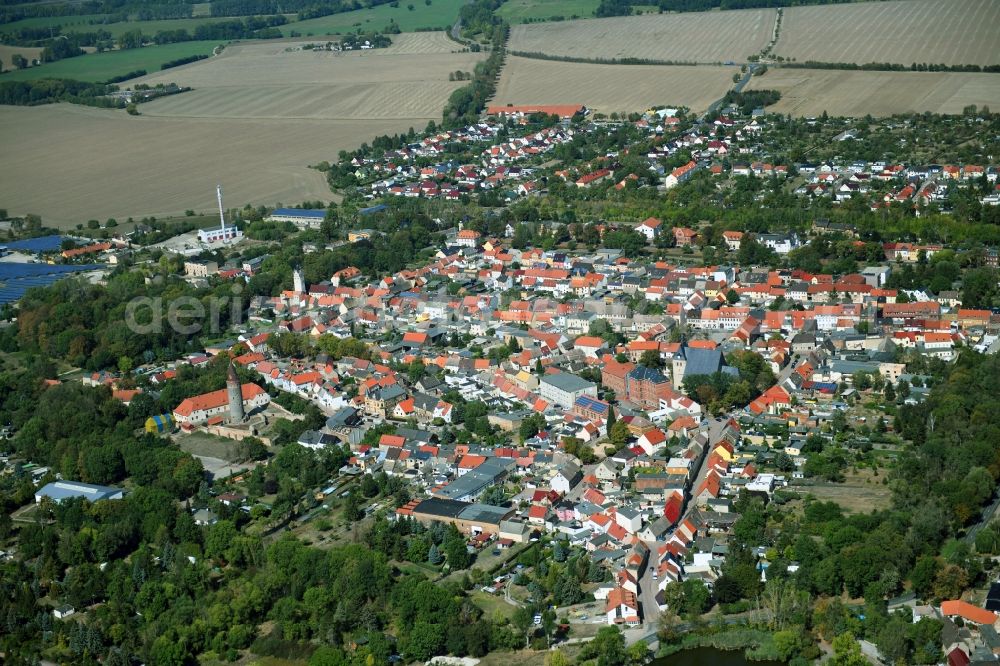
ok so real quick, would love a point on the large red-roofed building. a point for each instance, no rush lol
(200, 408)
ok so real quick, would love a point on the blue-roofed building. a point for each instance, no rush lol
(644, 386)
(301, 217)
(58, 491)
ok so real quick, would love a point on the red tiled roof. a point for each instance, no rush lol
(967, 611)
(215, 399)
(561, 110)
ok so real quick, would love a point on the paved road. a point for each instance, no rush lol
(745, 79)
(648, 586)
(786, 371)
(647, 593)
(988, 514)
(715, 427)
(456, 29)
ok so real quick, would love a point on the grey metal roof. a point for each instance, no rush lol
(568, 382)
(57, 491)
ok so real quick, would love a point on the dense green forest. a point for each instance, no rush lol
(50, 91)
(624, 7)
(114, 10)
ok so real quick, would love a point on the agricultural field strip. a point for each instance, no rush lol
(958, 32)
(259, 115)
(808, 92)
(706, 37)
(259, 161)
(266, 80)
(610, 88)
(415, 100)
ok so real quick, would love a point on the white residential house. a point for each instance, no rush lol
(650, 228)
(566, 478)
(630, 519)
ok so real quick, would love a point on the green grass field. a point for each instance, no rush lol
(103, 66)
(439, 14)
(520, 11)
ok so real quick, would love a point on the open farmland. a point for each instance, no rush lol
(72, 163)
(438, 14)
(7, 55)
(98, 67)
(610, 88)
(408, 80)
(957, 32)
(520, 11)
(258, 117)
(704, 37)
(810, 92)
(423, 16)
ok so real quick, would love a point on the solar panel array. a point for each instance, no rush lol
(16, 279)
(40, 244)
(588, 402)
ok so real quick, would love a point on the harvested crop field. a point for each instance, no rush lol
(703, 37)
(72, 163)
(259, 116)
(409, 81)
(956, 32)
(609, 88)
(810, 92)
(7, 55)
